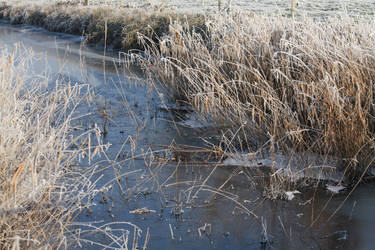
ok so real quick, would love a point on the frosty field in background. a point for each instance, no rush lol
(315, 8)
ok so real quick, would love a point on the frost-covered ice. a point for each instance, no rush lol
(193, 122)
(291, 194)
(249, 160)
(335, 189)
(296, 167)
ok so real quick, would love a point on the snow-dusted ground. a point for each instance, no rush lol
(316, 7)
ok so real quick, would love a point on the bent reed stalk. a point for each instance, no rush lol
(40, 189)
(305, 85)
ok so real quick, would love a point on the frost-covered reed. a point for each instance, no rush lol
(305, 85)
(41, 189)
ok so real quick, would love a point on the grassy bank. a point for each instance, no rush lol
(305, 85)
(111, 26)
(40, 189)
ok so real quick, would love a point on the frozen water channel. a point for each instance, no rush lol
(177, 204)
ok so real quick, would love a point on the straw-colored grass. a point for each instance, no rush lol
(305, 85)
(40, 189)
(109, 26)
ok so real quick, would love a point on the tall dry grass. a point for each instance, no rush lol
(109, 26)
(305, 85)
(40, 189)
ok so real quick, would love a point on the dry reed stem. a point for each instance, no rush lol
(304, 85)
(38, 181)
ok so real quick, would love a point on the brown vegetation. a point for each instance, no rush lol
(102, 25)
(40, 188)
(304, 85)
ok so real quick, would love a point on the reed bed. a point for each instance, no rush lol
(108, 26)
(303, 85)
(41, 189)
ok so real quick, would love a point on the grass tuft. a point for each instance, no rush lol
(305, 85)
(40, 189)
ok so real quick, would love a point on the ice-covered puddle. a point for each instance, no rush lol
(298, 166)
